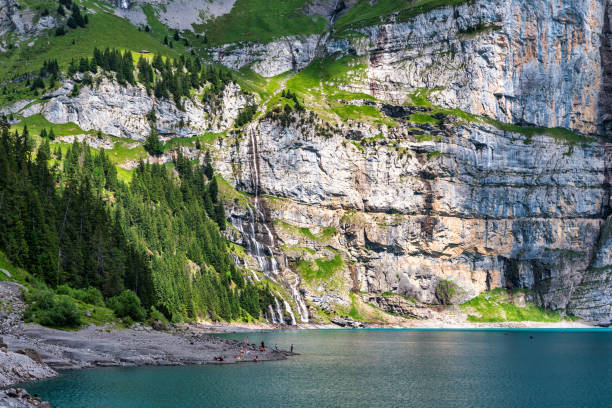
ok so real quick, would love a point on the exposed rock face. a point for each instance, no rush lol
(593, 298)
(178, 14)
(16, 368)
(518, 60)
(605, 99)
(274, 58)
(476, 206)
(537, 62)
(22, 21)
(121, 111)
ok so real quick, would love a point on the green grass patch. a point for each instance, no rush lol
(252, 82)
(320, 269)
(354, 309)
(159, 30)
(320, 85)
(17, 274)
(36, 123)
(355, 112)
(423, 118)
(393, 294)
(561, 134)
(325, 234)
(366, 13)
(261, 20)
(498, 306)
(434, 154)
(227, 193)
(420, 98)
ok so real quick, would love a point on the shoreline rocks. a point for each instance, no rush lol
(19, 398)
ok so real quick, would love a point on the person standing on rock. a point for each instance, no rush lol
(292, 348)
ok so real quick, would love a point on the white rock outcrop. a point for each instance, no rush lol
(121, 111)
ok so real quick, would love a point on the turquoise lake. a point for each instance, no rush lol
(368, 368)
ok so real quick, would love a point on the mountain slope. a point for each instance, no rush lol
(426, 150)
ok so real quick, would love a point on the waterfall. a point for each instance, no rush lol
(263, 251)
(271, 313)
(281, 320)
(299, 301)
(288, 309)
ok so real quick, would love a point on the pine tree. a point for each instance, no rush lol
(152, 143)
(208, 168)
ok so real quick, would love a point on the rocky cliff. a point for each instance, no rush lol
(519, 61)
(122, 110)
(20, 23)
(465, 202)
(476, 206)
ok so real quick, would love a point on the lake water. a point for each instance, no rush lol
(369, 368)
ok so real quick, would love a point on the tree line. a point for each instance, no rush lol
(74, 223)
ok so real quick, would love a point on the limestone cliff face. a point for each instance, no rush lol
(521, 61)
(121, 110)
(274, 58)
(479, 207)
(473, 205)
(406, 209)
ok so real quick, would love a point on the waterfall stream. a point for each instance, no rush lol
(281, 320)
(271, 314)
(288, 309)
(263, 251)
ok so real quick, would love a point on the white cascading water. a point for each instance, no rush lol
(271, 314)
(281, 320)
(299, 301)
(288, 309)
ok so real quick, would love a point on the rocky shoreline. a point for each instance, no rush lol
(30, 352)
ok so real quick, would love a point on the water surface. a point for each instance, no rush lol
(369, 369)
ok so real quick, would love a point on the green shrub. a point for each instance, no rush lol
(155, 315)
(445, 291)
(91, 295)
(49, 309)
(64, 313)
(42, 299)
(127, 304)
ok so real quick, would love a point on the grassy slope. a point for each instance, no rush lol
(498, 306)
(98, 315)
(261, 20)
(318, 86)
(420, 98)
(364, 13)
(104, 30)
